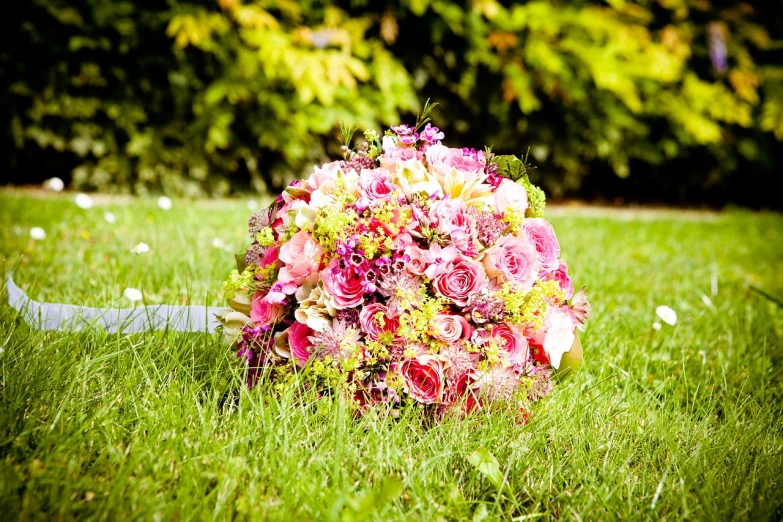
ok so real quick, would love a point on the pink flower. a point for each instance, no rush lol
(326, 172)
(510, 194)
(557, 335)
(541, 235)
(561, 276)
(299, 342)
(450, 328)
(460, 280)
(265, 312)
(442, 159)
(440, 259)
(403, 241)
(422, 378)
(271, 256)
(393, 155)
(461, 387)
(515, 345)
(302, 257)
(514, 260)
(370, 324)
(451, 217)
(418, 260)
(377, 184)
(344, 286)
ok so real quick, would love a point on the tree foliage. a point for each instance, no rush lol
(195, 96)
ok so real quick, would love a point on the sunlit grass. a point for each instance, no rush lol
(678, 423)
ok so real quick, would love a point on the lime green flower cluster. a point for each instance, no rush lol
(535, 197)
(332, 226)
(415, 324)
(237, 283)
(529, 308)
(265, 237)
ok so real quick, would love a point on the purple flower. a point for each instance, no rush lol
(403, 130)
(431, 135)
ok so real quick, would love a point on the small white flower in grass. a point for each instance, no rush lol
(110, 218)
(252, 205)
(218, 243)
(141, 248)
(83, 201)
(667, 315)
(164, 203)
(54, 184)
(132, 294)
(656, 326)
(37, 233)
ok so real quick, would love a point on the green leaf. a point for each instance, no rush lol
(486, 463)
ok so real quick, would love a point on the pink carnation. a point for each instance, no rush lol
(393, 155)
(541, 235)
(460, 280)
(514, 260)
(422, 378)
(442, 159)
(302, 257)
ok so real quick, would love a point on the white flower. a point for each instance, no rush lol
(37, 233)
(656, 326)
(83, 201)
(667, 315)
(388, 142)
(132, 294)
(54, 184)
(164, 203)
(141, 248)
(218, 243)
(110, 218)
(252, 205)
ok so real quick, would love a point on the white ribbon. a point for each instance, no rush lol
(51, 316)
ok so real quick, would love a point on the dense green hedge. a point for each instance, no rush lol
(195, 96)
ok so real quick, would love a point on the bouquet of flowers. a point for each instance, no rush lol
(408, 271)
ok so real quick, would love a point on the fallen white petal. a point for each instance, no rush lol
(54, 184)
(218, 243)
(37, 233)
(110, 218)
(141, 248)
(83, 201)
(164, 203)
(656, 326)
(132, 294)
(667, 315)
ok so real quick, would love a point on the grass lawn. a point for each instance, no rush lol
(680, 423)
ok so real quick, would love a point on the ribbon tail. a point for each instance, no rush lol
(64, 317)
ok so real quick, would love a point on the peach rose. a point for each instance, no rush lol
(302, 257)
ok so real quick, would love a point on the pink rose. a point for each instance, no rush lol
(460, 280)
(302, 257)
(403, 241)
(510, 194)
(393, 155)
(451, 215)
(422, 378)
(299, 342)
(418, 260)
(323, 173)
(461, 387)
(561, 276)
(541, 235)
(344, 286)
(370, 324)
(265, 312)
(450, 328)
(376, 184)
(515, 345)
(514, 260)
(442, 159)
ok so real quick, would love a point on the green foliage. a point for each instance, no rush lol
(194, 96)
(681, 423)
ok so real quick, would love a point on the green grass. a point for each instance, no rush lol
(682, 423)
